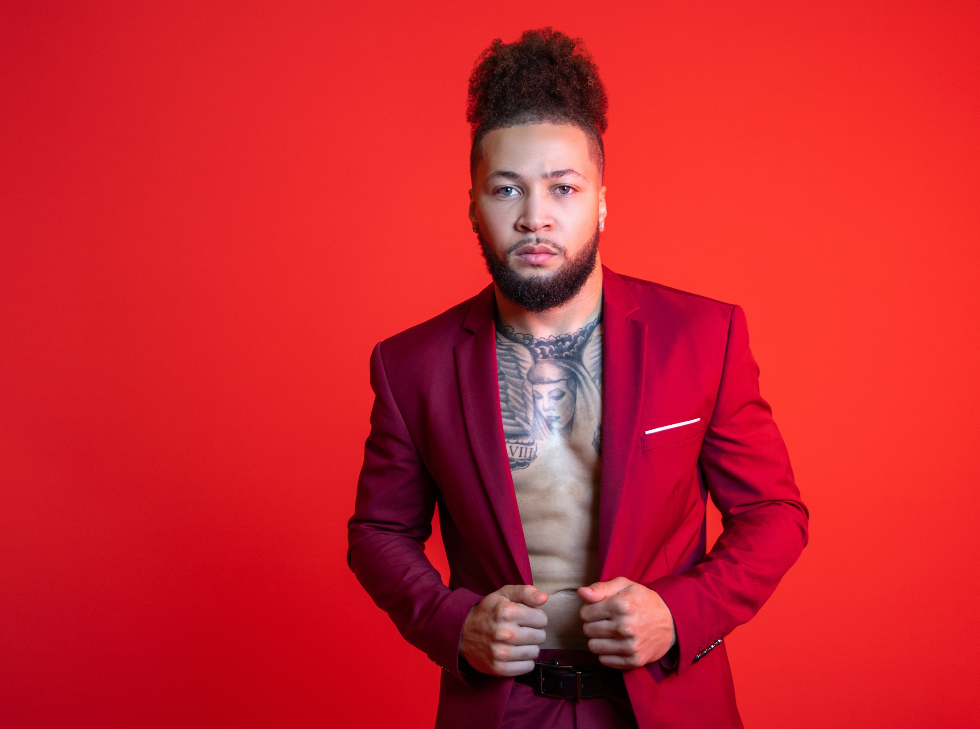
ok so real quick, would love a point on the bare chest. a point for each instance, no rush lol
(551, 403)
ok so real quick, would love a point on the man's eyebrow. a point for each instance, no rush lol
(506, 174)
(561, 173)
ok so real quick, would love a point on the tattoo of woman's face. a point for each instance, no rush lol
(554, 404)
(549, 388)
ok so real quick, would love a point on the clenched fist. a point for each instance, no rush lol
(628, 624)
(502, 634)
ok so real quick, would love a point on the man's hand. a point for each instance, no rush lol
(502, 634)
(628, 625)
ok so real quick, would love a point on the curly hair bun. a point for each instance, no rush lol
(545, 76)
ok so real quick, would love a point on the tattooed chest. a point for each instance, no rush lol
(550, 394)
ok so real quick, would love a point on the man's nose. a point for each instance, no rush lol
(536, 214)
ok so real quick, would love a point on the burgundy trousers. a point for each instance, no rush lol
(527, 711)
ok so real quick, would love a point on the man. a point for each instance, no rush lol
(569, 423)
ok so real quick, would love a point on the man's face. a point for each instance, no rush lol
(537, 197)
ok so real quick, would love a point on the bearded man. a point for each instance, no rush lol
(569, 423)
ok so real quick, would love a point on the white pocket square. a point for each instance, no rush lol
(672, 425)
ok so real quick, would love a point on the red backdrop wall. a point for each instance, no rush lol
(210, 212)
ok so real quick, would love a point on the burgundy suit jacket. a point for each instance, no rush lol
(437, 441)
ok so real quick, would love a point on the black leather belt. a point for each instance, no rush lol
(573, 682)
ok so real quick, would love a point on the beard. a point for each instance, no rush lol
(541, 293)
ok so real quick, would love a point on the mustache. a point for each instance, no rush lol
(535, 241)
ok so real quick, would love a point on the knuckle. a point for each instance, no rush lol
(499, 652)
(502, 635)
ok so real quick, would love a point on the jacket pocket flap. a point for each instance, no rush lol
(669, 434)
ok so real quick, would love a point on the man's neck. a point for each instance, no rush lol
(578, 311)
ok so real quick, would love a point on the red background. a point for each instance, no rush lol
(210, 212)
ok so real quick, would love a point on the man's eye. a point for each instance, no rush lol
(507, 191)
(564, 189)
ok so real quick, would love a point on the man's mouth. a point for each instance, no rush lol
(535, 255)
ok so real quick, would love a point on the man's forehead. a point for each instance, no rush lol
(537, 150)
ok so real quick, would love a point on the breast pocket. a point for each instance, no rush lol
(659, 436)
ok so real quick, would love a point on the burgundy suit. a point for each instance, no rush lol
(437, 440)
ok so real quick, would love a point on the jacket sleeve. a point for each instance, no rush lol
(392, 518)
(746, 469)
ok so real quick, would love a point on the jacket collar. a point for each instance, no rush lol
(483, 308)
(623, 370)
(476, 371)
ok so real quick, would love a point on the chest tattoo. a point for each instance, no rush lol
(550, 388)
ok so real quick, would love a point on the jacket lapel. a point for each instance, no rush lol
(476, 370)
(623, 367)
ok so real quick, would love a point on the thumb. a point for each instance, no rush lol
(598, 591)
(525, 594)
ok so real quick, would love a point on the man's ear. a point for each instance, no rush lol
(602, 204)
(472, 208)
